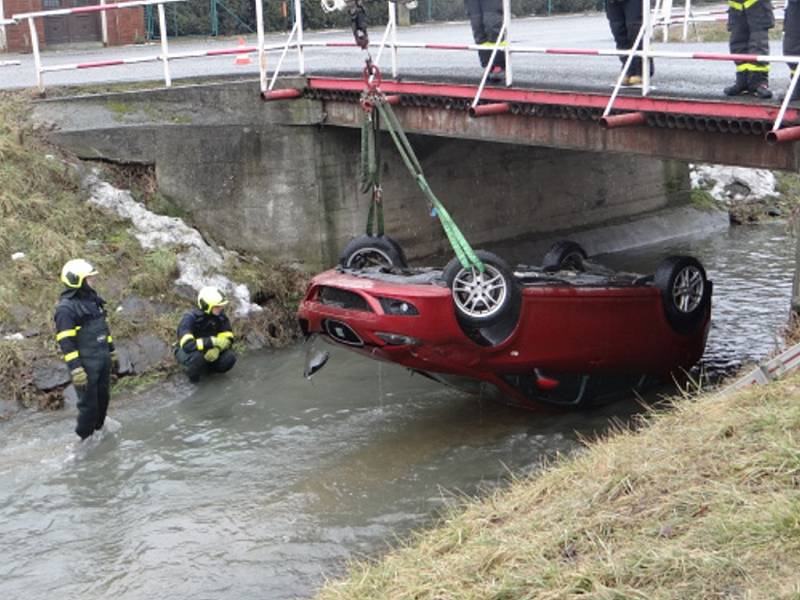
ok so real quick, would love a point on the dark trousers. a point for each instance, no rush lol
(486, 18)
(625, 20)
(195, 364)
(93, 400)
(791, 31)
(750, 35)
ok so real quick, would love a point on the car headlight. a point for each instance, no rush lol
(393, 306)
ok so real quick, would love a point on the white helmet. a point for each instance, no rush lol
(209, 297)
(75, 271)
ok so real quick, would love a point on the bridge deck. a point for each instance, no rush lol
(700, 130)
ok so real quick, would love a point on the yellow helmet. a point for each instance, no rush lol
(75, 271)
(210, 297)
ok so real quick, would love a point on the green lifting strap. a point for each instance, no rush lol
(370, 169)
(466, 255)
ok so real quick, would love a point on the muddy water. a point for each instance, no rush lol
(261, 484)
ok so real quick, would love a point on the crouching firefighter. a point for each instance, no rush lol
(749, 22)
(84, 337)
(205, 337)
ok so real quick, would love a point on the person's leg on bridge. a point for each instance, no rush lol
(492, 24)
(625, 21)
(760, 19)
(738, 43)
(475, 15)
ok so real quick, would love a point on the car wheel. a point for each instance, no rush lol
(564, 255)
(484, 299)
(372, 251)
(685, 291)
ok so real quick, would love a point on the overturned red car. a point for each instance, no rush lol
(566, 334)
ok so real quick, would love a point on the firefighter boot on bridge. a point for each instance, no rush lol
(749, 23)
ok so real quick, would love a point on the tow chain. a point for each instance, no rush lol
(377, 109)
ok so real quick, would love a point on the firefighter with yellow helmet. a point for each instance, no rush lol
(85, 340)
(205, 336)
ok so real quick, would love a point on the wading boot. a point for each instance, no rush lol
(741, 86)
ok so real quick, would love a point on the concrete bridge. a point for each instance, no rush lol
(280, 177)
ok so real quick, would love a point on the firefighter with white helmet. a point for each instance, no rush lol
(85, 340)
(205, 336)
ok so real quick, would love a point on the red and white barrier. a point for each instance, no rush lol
(773, 369)
(94, 8)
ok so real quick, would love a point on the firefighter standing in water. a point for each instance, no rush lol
(749, 22)
(205, 337)
(85, 340)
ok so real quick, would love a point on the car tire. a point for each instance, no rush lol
(498, 302)
(564, 254)
(373, 251)
(685, 292)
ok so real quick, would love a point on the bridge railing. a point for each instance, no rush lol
(652, 16)
(102, 8)
(389, 41)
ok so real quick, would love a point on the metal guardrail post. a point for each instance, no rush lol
(162, 28)
(298, 19)
(392, 23)
(687, 11)
(647, 25)
(666, 12)
(37, 59)
(262, 58)
(104, 24)
(507, 49)
(2, 27)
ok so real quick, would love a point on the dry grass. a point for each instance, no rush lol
(702, 503)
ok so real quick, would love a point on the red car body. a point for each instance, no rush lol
(571, 340)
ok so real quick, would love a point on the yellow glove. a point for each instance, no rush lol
(223, 343)
(212, 355)
(79, 378)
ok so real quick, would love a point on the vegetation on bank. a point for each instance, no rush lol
(701, 501)
(45, 216)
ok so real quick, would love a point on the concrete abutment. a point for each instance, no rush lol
(274, 179)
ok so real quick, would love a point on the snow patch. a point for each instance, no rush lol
(199, 264)
(733, 184)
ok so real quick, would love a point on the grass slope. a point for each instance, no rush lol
(44, 214)
(703, 502)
